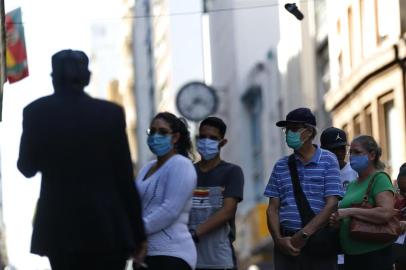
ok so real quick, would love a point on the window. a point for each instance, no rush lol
(368, 121)
(252, 100)
(346, 129)
(383, 19)
(350, 34)
(340, 65)
(392, 137)
(389, 135)
(357, 125)
(361, 24)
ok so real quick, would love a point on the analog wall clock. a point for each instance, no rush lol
(195, 101)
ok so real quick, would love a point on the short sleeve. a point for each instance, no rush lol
(272, 188)
(333, 186)
(382, 183)
(234, 187)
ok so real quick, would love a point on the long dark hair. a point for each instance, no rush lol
(370, 145)
(184, 144)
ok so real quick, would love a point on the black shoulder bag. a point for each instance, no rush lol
(325, 241)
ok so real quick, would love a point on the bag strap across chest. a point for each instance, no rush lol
(305, 211)
(367, 194)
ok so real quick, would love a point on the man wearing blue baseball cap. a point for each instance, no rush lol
(303, 190)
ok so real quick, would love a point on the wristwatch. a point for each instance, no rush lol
(305, 236)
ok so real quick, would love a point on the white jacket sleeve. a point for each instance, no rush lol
(179, 186)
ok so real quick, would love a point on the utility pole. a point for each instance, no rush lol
(143, 53)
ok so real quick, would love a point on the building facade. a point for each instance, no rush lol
(112, 66)
(152, 58)
(163, 30)
(245, 75)
(367, 93)
(264, 63)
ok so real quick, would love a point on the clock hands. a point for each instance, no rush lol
(196, 101)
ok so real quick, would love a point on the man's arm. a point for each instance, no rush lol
(333, 191)
(221, 217)
(233, 194)
(28, 158)
(321, 219)
(272, 218)
(318, 222)
(283, 243)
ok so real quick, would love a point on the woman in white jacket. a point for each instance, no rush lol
(166, 186)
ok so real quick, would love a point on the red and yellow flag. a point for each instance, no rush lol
(16, 54)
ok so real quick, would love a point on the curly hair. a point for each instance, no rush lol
(184, 144)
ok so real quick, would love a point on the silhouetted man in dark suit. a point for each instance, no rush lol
(88, 214)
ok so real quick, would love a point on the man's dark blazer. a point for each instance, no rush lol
(88, 201)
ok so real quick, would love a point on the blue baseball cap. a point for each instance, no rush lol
(298, 116)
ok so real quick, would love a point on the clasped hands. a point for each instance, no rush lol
(291, 245)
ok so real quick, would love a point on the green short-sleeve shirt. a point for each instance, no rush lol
(355, 194)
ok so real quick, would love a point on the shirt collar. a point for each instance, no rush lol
(315, 158)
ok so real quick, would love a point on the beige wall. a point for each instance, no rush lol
(370, 19)
(162, 55)
(365, 75)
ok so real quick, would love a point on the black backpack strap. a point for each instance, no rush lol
(306, 212)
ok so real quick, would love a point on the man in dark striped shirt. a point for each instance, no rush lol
(319, 178)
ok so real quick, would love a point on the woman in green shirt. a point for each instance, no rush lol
(365, 159)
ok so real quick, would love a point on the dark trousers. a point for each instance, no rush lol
(67, 261)
(304, 262)
(376, 260)
(399, 256)
(166, 263)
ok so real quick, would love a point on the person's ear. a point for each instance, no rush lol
(175, 137)
(223, 142)
(372, 155)
(307, 133)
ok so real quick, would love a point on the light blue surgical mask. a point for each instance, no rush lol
(159, 144)
(359, 162)
(293, 139)
(208, 148)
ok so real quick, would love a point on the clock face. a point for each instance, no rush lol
(195, 101)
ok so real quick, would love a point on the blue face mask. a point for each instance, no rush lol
(359, 163)
(293, 139)
(160, 145)
(208, 148)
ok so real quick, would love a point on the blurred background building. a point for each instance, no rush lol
(265, 63)
(345, 60)
(367, 93)
(163, 30)
(112, 66)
